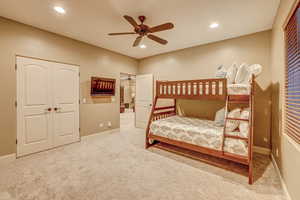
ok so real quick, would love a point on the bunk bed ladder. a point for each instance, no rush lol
(224, 131)
(246, 100)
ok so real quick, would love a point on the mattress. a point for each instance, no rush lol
(238, 89)
(198, 132)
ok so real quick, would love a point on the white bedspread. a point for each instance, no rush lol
(199, 132)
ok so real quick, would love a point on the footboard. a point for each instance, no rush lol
(157, 114)
(211, 89)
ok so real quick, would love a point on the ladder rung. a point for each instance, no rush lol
(238, 119)
(238, 102)
(236, 137)
(239, 98)
(239, 95)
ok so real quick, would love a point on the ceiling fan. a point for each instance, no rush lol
(144, 30)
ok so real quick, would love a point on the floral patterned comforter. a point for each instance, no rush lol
(198, 132)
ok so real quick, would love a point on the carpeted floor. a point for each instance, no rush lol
(116, 166)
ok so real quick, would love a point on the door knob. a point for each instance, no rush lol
(48, 109)
(56, 109)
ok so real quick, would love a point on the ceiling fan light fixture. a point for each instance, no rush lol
(59, 9)
(142, 46)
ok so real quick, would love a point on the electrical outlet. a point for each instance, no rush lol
(109, 124)
(101, 125)
(277, 152)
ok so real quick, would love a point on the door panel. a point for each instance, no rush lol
(33, 128)
(66, 102)
(35, 82)
(65, 124)
(144, 99)
(36, 129)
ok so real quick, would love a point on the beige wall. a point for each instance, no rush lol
(24, 40)
(288, 158)
(129, 90)
(201, 62)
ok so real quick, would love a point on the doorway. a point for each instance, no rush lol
(127, 100)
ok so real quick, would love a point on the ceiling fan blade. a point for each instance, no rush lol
(131, 20)
(157, 39)
(161, 27)
(125, 33)
(137, 41)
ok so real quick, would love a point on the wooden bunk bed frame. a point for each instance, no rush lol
(206, 89)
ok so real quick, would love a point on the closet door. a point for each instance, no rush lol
(65, 81)
(34, 106)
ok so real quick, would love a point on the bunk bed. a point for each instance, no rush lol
(165, 126)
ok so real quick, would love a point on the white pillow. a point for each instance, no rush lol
(244, 126)
(231, 125)
(245, 114)
(255, 69)
(231, 73)
(220, 117)
(221, 72)
(244, 129)
(243, 75)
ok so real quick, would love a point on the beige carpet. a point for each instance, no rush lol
(116, 166)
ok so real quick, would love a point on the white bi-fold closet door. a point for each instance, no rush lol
(47, 105)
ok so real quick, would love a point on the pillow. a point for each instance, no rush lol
(244, 126)
(245, 114)
(244, 129)
(220, 117)
(231, 125)
(243, 75)
(221, 72)
(255, 69)
(231, 73)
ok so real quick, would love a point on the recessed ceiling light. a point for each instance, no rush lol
(60, 10)
(214, 25)
(142, 46)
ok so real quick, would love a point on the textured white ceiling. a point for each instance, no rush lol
(91, 20)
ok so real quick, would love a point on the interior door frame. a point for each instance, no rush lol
(18, 100)
(124, 90)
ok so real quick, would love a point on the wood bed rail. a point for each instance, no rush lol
(163, 112)
(211, 89)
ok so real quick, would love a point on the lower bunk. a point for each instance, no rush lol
(198, 135)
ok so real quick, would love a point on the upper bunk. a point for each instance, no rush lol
(205, 89)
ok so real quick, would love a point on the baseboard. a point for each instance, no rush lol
(281, 179)
(86, 137)
(7, 158)
(261, 150)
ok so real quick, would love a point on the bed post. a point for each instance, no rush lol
(250, 172)
(147, 144)
(175, 105)
(149, 123)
